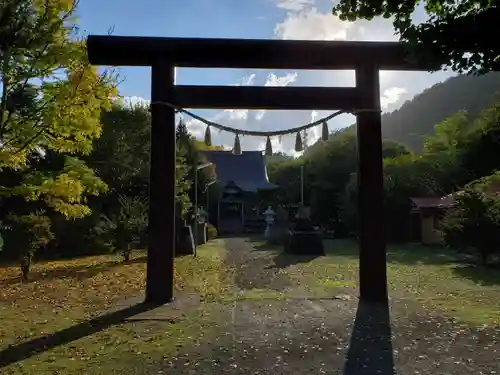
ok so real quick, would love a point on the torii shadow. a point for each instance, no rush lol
(370, 349)
(42, 344)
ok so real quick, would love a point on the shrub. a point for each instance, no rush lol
(124, 230)
(474, 224)
(211, 232)
(28, 234)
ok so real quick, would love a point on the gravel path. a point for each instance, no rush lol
(330, 336)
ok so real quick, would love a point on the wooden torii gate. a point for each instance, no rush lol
(164, 54)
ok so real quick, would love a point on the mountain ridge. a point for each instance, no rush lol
(417, 117)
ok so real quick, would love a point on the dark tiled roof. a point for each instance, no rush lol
(247, 171)
(437, 202)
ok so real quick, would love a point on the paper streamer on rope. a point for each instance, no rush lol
(298, 143)
(208, 136)
(237, 145)
(269, 147)
(324, 131)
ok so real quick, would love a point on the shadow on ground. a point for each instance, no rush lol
(397, 253)
(281, 259)
(483, 275)
(39, 345)
(78, 272)
(255, 238)
(370, 348)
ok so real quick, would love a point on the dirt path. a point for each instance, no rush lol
(329, 336)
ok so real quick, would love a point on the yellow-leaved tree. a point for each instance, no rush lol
(51, 100)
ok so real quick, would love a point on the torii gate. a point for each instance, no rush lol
(164, 54)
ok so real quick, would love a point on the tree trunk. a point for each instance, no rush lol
(25, 267)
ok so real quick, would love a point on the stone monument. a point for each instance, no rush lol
(269, 216)
(279, 230)
(184, 242)
(303, 237)
(201, 227)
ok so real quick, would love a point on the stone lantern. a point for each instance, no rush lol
(201, 224)
(269, 216)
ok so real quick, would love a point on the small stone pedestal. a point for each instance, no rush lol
(304, 243)
(303, 238)
(184, 242)
(279, 231)
(201, 234)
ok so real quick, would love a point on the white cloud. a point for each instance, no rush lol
(310, 24)
(134, 100)
(391, 96)
(259, 115)
(302, 19)
(247, 80)
(241, 114)
(195, 127)
(236, 114)
(274, 80)
(294, 5)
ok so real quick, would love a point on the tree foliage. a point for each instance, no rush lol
(456, 33)
(28, 233)
(69, 150)
(473, 223)
(447, 134)
(51, 102)
(127, 227)
(459, 150)
(417, 117)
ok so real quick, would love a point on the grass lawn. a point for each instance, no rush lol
(432, 276)
(67, 294)
(63, 294)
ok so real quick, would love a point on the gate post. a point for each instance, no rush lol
(372, 251)
(161, 227)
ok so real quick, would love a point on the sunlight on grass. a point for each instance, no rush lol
(65, 293)
(259, 294)
(441, 286)
(430, 276)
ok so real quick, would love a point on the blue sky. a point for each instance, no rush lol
(263, 19)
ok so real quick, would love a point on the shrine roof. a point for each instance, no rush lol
(248, 171)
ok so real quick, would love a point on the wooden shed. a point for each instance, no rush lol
(427, 213)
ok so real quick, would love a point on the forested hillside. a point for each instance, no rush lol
(458, 149)
(417, 117)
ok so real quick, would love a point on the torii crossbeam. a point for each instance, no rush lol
(164, 54)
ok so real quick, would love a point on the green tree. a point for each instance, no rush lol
(392, 149)
(481, 149)
(121, 159)
(51, 101)
(457, 33)
(447, 134)
(189, 150)
(28, 234)
(474, 223)
(125, 229)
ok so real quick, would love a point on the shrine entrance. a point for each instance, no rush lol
(164, 54)
(230, 216)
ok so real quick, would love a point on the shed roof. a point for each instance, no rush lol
(248, 171)
(433, 202)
